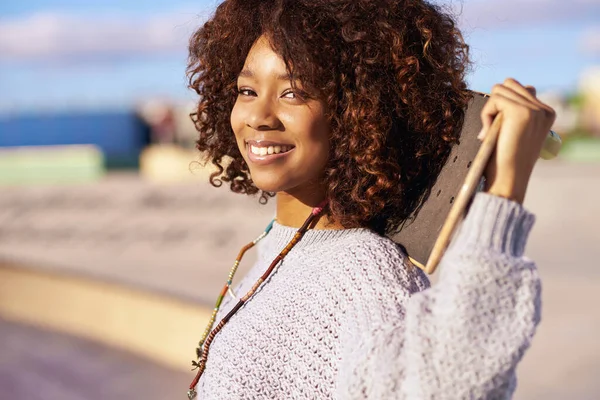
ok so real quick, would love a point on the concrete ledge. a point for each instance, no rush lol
(50, 164)
(172, 164)
(157, 327)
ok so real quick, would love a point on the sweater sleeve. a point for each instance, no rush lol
(462, 338)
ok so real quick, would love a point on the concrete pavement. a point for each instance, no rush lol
(42, 365)
(182, 239)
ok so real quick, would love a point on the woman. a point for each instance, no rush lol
(345, 110)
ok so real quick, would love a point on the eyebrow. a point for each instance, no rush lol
(246, 73)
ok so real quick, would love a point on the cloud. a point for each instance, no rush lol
(68, 37)
(524, 13)
(590, 42)
(65, 37)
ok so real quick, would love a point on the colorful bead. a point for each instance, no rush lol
(208, 336)
(226, 289)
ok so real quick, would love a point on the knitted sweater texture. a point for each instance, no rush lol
(347, 316)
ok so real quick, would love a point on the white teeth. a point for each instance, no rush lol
(263, 151)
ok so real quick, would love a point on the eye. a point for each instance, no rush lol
(290, 95)
(295, 95)
(245, 92)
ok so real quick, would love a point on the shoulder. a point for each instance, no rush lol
(379, 259)
(375, 274)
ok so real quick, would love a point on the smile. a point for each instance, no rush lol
(264, 152)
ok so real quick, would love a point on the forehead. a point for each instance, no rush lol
(263, 61)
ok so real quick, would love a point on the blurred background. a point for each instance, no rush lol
(113, 247)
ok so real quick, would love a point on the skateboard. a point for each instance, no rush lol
(427, 235)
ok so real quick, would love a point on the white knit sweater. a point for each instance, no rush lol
(346, 316)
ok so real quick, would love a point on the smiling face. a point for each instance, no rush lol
(282, 135)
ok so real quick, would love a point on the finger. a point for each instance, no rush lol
(506, 95)
(497, 103)
(488, 113)
(531, 90)
(522, 97)
(527, 92)
(530, 93)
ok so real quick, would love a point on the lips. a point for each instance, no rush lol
(264, 151)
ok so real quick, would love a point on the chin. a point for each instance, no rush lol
(275, 183)
(269, 182)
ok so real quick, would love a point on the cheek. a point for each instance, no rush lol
(308, 122)
(235, 117)
(319, 137)
(237, 121)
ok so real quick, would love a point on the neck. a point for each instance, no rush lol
(293, 210)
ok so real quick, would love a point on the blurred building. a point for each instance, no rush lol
(589, 87)
(169, 122)
(68, 147)
(160, 119)
(120, 135)
(172, 155)
(186, 133)
(567, 115)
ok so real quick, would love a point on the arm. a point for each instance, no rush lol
(464, 337)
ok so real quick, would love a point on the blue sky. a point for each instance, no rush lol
(111, 54)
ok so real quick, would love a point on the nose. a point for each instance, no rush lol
(262, 116)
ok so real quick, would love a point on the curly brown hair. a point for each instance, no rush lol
(390, 72)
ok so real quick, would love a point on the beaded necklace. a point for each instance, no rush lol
(210, 333)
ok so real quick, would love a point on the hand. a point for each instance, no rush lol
(525, 125)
